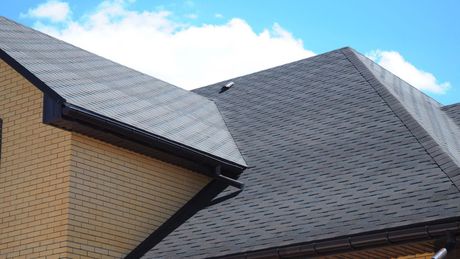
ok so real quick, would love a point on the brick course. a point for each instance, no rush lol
(65, 195)
(34, 174)
(119, 197)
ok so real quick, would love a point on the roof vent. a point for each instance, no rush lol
(229, 84)
(226, 87)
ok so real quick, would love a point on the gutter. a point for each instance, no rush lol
(59, 113)
(351, 243)
(74, 118)
(71, 117)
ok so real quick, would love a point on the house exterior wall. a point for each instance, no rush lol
(119, 197)
(65, 195)
(418, 256)
(34, 173)
(416, 250)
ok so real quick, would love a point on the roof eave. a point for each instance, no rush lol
(71, 117)
(92, 124)
(403, 235)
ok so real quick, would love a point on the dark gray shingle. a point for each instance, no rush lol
(453, 111)
(330, 157)
(110, 89)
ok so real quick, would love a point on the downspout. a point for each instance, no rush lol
(450, 245)
(232, 182)
(203, 199)
(229, 181)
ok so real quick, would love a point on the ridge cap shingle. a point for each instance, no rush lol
(450, 106)
(416, 126)
(329, 158)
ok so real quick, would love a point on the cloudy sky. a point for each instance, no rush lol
(193, 43)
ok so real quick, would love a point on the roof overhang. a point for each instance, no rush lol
(64, 115)
(358, 242)
(58, 112)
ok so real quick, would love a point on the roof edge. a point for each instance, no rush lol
(413, 233)
(71, 117)
(29, 76)
(449, 106)
(432, 148)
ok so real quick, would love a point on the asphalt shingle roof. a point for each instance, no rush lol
(337, 146)
(453, 111)
(128, 96)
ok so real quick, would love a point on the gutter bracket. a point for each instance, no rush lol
(222, 178)
(227, 180)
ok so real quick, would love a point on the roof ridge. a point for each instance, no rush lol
(270, 68)
(450, 105)
(435, 150)
(416, 89)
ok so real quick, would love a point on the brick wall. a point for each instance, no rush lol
(418, 256)
(64, 195)
(34, 174)
(119, 197)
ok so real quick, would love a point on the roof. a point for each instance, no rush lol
(337, 146)
(453, 111)
(106, 88)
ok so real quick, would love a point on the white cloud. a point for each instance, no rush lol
(395, 63)
(185, 55)
(54, 10)
(219, 15)
(192, 56)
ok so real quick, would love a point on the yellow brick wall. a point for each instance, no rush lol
(34, 174)
(419, 256)
(64, 195)
(380, 253)
(119, 197)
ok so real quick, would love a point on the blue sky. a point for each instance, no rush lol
(193, 43)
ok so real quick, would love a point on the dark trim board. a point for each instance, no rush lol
(129, 132)
(59, 113)
(77, 119)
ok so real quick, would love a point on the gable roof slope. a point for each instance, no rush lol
(106, 88)
(422, 115)
(334, 153)
(453, 111)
